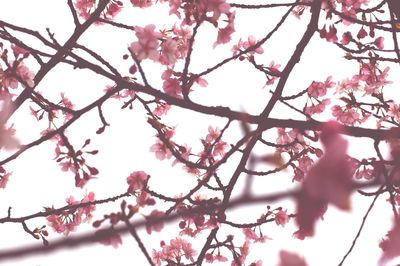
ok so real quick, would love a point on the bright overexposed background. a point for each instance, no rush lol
(124, 147)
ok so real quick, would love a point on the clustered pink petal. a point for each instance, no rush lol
(250, 43)
(161, 150)
(161, 109)
(4, 176)
(210, 258)
(26, 76)
(169, 52)
(172, 87)
(225, 34)
(68, 220)
(177, 249)
(220, 148)
(317, 108)
(147, 44)
(141, 3)
(112, 9)
(252, 236)
(17, 50)
(281, 218)
(394, 111)
(347, 116)
(137, 181)
(318, 89)
(83, 7)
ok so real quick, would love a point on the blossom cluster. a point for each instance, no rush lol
(68, 220)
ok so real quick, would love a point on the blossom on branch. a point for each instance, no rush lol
(147, 44)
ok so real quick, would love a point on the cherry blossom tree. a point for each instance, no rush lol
(176, 70)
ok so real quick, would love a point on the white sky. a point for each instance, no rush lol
(37, 180)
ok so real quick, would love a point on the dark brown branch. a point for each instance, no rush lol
(185, 87)
(58, 56)
(21, 219)
(246, 6)
(22, 251)
(51, 134)
(74, 14)
(139, 241)
(251, 48)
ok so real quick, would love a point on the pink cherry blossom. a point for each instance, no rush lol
(220, 148)
(316, 89)
(349, 85)
(144, 199)
(210, 258)
(216, 7)
(136, 181)
(317, 108)
(147, 44)
(4, 177)
(18, 50)
(141, 3)
(225, 34)
(281, 218)
(251, 235)
(213, 134)
(161, 150)
(174, 252)
(83, 7)
(243, 45)
(182, 34)
(169, 52)
(172, 87)
(347, 116)
(251, 41)
(88, 210)
(174, 7)
(283, 137)
(25, 74)
(161, 109)
(68, 220)
(394, 111)
(64, 223)
(113, 9)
